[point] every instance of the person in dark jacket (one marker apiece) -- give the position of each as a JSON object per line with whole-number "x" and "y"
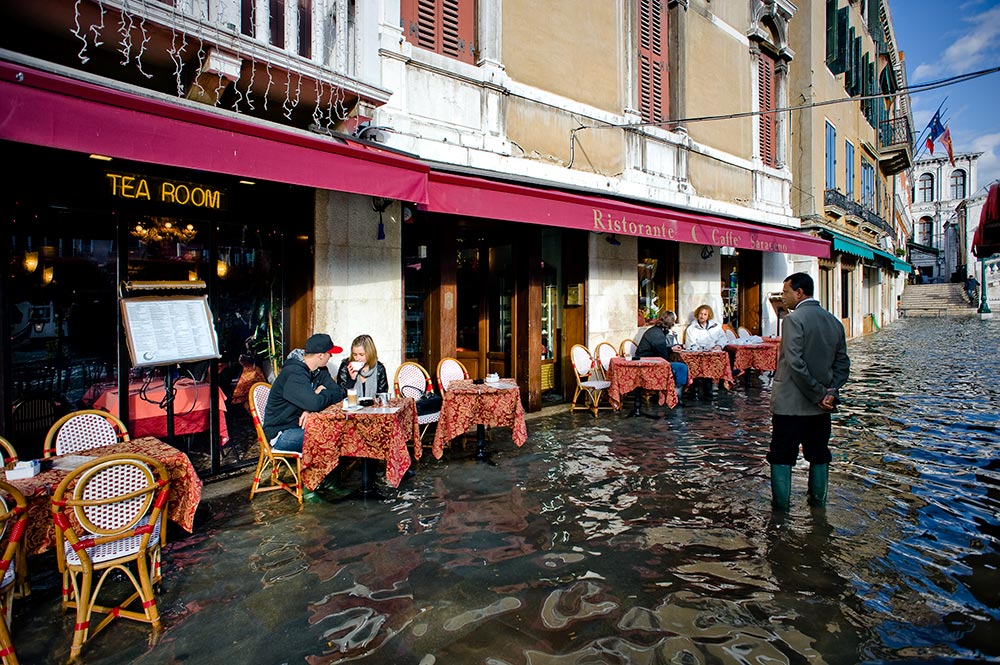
{"x": 363, "y": 371}
{"x": 660, "y": 342}
{"x": 303, "y": 386}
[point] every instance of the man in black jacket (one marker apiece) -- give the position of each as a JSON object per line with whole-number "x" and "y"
{"x": 303, "y": 386}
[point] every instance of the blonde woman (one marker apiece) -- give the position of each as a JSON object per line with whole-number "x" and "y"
{"x": 704, "y": 334}
{"x": 362, "y": 371}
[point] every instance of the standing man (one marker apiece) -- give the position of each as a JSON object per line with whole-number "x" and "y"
{"x": 812, "y": 367}
{"x": 303, "y": 386}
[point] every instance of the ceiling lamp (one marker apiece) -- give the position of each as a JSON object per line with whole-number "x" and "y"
{"x": 155, "y": 229}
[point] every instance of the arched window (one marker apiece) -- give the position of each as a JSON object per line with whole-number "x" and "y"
{"x": 925, "y": 231}
{"x": 925, "y": 188}
{"x": 958, "y": 184}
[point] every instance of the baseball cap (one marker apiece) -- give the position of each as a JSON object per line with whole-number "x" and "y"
{"x": 321, "y": 343}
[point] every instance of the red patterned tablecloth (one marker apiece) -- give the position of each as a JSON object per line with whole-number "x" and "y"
{"x": 191, "y": 408}
{"x": 467, "y": 404}
{"x": 649, "y": 374}
{"x": 708, "y": 365}
{"x": 754, "y": 356}
{"x": 185, "y": 489}
{"x": 373, "y": 432}
{"x": 771, "y": 340}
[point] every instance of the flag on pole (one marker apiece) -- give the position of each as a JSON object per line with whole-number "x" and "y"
{"x": 936, "y": 130}
{"x": 945, "y": 140}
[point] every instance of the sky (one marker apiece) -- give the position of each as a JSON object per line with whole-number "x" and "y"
{"x": 943, "y": 39}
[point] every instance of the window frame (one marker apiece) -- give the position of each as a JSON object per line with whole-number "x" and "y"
{"x": 849, "y": 169}
{"x": 445, "y": 27}
{"x": 831, "y": 156}
{"x": 652, "y": 74}
{"x": 925, "y": 188}
{"x": 954, "y": 184}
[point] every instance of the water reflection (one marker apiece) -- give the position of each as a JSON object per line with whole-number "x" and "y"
{"x": 617, "y": 541}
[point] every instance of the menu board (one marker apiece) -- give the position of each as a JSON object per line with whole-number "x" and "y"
{"x": 169, "y": 330}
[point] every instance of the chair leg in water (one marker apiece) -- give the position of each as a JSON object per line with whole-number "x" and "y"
{"x": 781, "y": 486}
{"x": 819, "y": 475}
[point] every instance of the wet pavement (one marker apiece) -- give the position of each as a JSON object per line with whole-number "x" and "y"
{"x": 618, "y": 540}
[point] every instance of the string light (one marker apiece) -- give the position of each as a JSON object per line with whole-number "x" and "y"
{"x": 78, "y": 34}
{"x": 161, "y": 228}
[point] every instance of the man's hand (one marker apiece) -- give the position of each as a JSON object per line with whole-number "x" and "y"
{"x": 828, "y": 402}
{"x": 320, "y": 389}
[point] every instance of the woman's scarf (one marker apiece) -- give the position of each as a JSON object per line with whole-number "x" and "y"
{"x": 368, "y": 387}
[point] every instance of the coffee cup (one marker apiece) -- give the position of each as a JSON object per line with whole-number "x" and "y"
{"x": 383, "y": 399}
{"x": 356, "y": 365}
{"x": 352, "y": 398}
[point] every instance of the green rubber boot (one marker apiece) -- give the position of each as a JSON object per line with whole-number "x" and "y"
{"x": 781, "y": 486}
{"x": 819, "y": 475}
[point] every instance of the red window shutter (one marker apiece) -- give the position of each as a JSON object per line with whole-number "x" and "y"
{"x": 765, "y": 102}
{"x": 443, "y": 26}
{"x": 654, "y": 91}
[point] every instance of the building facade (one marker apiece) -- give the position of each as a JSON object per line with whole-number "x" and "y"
{"x": 482, "y": 179}
{"x": 947, "y": 203}
{"x": 850, "y": 157}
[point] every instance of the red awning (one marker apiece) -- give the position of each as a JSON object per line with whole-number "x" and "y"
{"x": 45, "y": 109}
{"x": 477, "y": 197}
{"x": 986, "y": 241}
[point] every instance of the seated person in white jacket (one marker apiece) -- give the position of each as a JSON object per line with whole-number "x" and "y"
{"x": 704, "y": 334}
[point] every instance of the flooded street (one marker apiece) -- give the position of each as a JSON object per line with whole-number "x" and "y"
{"x": 618, "y": 540}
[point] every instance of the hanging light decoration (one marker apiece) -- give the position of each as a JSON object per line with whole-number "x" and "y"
{"x": 47, "y": 275}
{"x": 155, "y": 229}
{"x": 30, "y": 262}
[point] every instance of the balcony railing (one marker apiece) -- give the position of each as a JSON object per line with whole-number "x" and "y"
{"x": 852, "y": 208}
{"x": 895, "y": 132}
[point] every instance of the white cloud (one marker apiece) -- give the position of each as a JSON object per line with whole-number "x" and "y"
{"x": 968, "y": 50}
{"x": 989, "y": 163}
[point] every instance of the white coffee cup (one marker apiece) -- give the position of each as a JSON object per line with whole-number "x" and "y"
{"x": 356, "y": 365}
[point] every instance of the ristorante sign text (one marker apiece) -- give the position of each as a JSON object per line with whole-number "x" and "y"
{"x": 708, "y": 234}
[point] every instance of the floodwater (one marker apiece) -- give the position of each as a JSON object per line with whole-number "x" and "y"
{"x": 617, "y": 540}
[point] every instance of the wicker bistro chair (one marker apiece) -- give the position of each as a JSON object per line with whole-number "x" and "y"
{"x": 84, "y": 430}
{"x": 9, "y": 454}
{"x": 448, "y": 370}
{"x": 412, "y": 380}
{"x": 585, "y": 368}
{"x": 13, "y": 524}
{"x": 603, "y": 353}
{"x": 627, "y": 348}
{"x": 274, "y": 463}
{"x": 118, "y": 504}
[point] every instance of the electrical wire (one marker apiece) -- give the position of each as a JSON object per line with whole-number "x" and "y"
{"x": 913, "y": 89}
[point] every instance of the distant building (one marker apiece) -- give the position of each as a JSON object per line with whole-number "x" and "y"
{"x": 946, "y": 207}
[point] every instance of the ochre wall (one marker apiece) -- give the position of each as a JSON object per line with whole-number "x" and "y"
{"x": 564, "y": 57}
{"x": 717, "y": 80}
{"x": 544, "y": 133}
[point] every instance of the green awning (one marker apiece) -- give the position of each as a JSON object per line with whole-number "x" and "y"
{"x": 842, "y": 243}
{"x": 901, "y": 266}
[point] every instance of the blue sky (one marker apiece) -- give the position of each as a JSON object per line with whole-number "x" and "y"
{"x": 943, "y": 39}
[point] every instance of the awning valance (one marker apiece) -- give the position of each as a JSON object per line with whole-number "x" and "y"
{"x": 841, "y": 243}
{"x": 46, "y": 109}
{"x": 901, "y": 266}
{"x": 491, "y": 199}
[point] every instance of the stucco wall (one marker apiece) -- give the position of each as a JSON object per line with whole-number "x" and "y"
{"x": 611, "y": 301}
{"x": 717, "y": 82}
{"x": 543, "y": 132}
{"x": 718, "y": 180}
{"x": 565, "y": 57}
{"x": 358, "y": 278}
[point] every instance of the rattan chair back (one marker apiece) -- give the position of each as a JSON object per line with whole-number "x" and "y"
{"x": 9, "y": 454}
{"x": 13, "y": 524}
{"x": 412, "y": 380}
{"x": 109, "y": 516}
{"x": 587, "y": 380}
{"x": 603, "y": 353}
{"x": 627, "y": 348}
{"x": 448, "y": 370}
{"x": 272, "y": 465}
{"x": 84, "y": 430}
